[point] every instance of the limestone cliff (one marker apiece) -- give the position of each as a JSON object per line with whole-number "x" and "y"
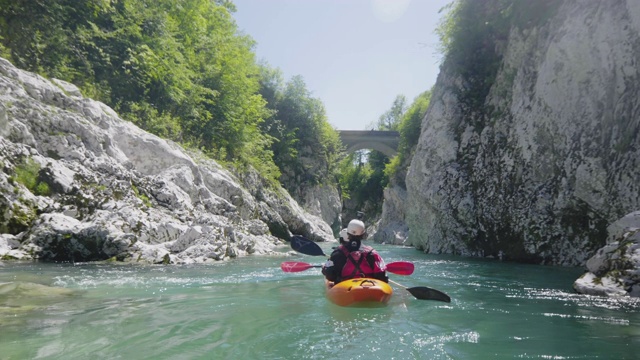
{"x": 77, "y": 183}
{"x": 553, "y": 156}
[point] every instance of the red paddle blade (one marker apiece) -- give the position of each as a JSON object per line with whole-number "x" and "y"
{"x": 400, "y": 267}
{"x": 294, "y": 266}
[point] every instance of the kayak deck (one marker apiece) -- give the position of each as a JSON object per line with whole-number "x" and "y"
{"x": 362, "y": 292}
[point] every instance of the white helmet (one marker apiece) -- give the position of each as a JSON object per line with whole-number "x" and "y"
{"x": 355, "y": 227}
{"x": 343, "y": 235}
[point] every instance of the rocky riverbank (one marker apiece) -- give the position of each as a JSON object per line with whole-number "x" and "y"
{"x": 78, "y": 183}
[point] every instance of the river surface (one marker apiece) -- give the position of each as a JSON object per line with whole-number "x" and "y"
{"x": 249, "y": 309}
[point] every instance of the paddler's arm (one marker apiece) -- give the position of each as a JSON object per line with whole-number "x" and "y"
{"x": 333, "y": 267}
{"x": 377, "y": 263}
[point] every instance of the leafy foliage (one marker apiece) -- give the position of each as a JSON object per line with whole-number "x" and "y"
{"x": 26, "y": 173}
{"x": 177, "y": 68}
{"x": 468, "y": 37}
{"x": 362, "y": 175}
{"x": 362, "y": 182}
{"x": 410, "y": 126}
{"x": 391, "y": 118}
{"x": 472, "y": 35}
{"x": 305, "y": 147}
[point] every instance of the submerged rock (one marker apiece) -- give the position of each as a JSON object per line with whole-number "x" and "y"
{"x": 19, "y": 296}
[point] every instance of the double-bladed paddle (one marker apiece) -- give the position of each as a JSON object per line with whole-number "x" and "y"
{"x": 396, "y": 267}
{"x": 305, "y": 246}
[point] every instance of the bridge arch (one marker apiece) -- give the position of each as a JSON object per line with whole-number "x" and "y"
{"x": 384, "y": 141}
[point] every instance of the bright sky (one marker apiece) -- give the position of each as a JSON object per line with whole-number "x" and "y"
{"x": 355, "y": 56}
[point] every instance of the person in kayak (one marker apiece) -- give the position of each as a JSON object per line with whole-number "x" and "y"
{"x": 352, "y": 259}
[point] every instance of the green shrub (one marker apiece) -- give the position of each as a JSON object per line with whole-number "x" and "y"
{"x": 141, "y": 196}
{"x": 472, "y": 32}
{"x": 409, "y": 128}
{"x": 42, "y": 189}
{"x": 26, "y": 173}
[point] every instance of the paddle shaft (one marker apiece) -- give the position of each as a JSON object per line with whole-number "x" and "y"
{"x": 398, "y": 284}
{"x": 305, "y": 246}
{"x": 399, "y": 267}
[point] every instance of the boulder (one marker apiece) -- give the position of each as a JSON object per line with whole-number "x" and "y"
{"x": 615, "y": 268}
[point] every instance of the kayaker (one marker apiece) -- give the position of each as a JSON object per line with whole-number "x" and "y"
{"x": 352, "y": 259}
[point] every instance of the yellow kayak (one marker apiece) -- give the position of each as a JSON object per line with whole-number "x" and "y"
{"x": 363, "y": 292}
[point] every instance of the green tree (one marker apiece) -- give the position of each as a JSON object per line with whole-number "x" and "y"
{"x": 177, "y": 68}
{"x": 365, "y": 174}
{"x": 471, "y": 34}
{"x": 410, "y": 127}
{"x": 391, "y": 118}
{"x": 306, "y": 147}
{"x": 363, "y": 177}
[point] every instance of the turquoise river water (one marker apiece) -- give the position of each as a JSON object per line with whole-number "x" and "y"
{"x": 249, "y": 309}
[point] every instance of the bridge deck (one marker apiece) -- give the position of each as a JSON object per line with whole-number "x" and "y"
{"x": 383, "y": 141}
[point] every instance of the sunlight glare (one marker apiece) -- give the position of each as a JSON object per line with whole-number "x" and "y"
{"x": 389, "y": 10}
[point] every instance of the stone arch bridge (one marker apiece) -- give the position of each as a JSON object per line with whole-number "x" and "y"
{"x": 384, "y": 141}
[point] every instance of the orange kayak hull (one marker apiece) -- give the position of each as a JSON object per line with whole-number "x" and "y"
{"x": 364, "y": 292}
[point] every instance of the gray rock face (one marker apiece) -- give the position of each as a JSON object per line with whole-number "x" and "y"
{"x": 323, "y": 201}
{"x": 541, "y": 176}
{"x": 392, "y": 228}
{"x": 102, "y": 188}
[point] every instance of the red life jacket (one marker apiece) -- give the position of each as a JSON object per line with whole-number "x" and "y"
{"x": 361, "y": 263}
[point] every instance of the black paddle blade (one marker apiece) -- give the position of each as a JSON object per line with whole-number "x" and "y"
{"x": 305, "y": 246}
{"x": 425, "y": 293}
